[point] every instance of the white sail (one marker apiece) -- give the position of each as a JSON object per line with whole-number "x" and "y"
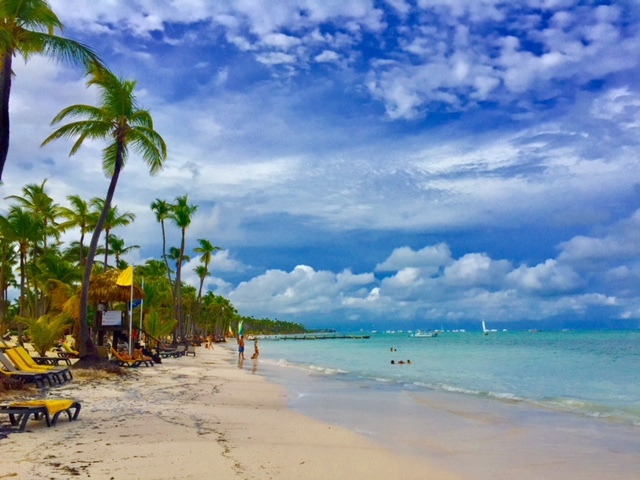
{"x": 484, "y": 329}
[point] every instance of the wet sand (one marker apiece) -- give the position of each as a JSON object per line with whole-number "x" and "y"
{"x": 193, "y": 418}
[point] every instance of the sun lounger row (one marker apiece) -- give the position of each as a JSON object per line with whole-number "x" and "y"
{"x": 17, "y": 363}
{"x": 49, "y": 410}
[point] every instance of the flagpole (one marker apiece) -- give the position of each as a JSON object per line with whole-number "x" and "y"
{"x": 131, "y": 319}
{"x": 141, "y": 306}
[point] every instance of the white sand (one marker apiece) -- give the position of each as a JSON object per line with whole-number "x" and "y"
{"x": 195, "y": 418}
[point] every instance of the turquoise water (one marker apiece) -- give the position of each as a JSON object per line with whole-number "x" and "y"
{"x": 594, "y": 374}
{"x": 552, "y": 405}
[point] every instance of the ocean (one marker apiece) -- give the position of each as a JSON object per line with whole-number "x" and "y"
{"x": 504, "y": 405}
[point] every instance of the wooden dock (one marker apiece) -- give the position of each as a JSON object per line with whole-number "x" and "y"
{"x": 314, "y": 336}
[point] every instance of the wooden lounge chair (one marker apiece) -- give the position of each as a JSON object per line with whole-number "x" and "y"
{"x": 191, "y": 350}
{"x": 31, "y": 363}
{"x": 181, "y": 350}
{"x": 11, "y": 371}
{"x": 124, "y": 362}
{"x": 60, "y": 376}
{"x": 49, "y": 410}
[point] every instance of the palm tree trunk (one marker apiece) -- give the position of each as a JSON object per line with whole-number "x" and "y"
{"x": 106, "y": 245}
{"x": 179, "y": 288}
{"x": 87, "y": 348}
{"x": 5, "y": 92}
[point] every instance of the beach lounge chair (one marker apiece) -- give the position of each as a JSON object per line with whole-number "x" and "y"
{"x": 124, "y": 362}
{"x": 68, "y": 352}
{"x": 31, "y": 363}
{"x": 164, "y": 352}
{"x": 11, "y": 371}
{"x": 49, "y": 410}
{"x": 60, "y": 376}
{"x": 191, "y": 350}
{"x": 181, "y": 350}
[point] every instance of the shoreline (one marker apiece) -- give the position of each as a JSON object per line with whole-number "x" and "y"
{"x": 474, "y": 437}
{"x": 197, "y": 417}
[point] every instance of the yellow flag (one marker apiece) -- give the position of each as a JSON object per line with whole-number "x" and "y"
{"x": 125, "y": 279}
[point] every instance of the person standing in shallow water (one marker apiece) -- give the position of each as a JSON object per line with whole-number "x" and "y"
{"x": 256, "y": 351}
{"x": 241, "y": 347}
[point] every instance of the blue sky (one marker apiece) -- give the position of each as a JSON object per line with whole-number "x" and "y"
{"x": 374, "y": 164}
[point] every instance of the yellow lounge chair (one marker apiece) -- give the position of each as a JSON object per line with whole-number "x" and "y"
{"x": 21, "y": 366}
{"x": 31, "y": 363}
{"x": 68, "y": 351}
{"x": 36, "y": 378}
{"x": 50, "y": 410}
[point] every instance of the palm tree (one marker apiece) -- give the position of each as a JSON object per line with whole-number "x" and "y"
{"x": 8, "y": 259}
{"x": 119, "y": 120}
{"x": 27, "y": 28}
{"x": 114, "y": 220}
{"x": 118, "y": 248}
{"x": 37, "y": 201}
{"x": 162, "y": 210}
{"x": 207, "y": 249}
{"x": 78, "y": 216}
{"x": 25, "y": 230}
{"x": 181, "y": 215}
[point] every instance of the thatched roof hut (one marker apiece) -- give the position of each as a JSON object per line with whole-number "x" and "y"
{"x": 103, "y": 288}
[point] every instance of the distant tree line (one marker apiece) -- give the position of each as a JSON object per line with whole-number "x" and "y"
{"x": 266, "y": 326}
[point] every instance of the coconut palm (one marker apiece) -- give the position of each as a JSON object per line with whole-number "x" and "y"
{"x": 114, "y": 219}
{"x": 206, "y": 249}
{"x": 8, "y": 262}
{"x": 25, "y": 230}
{"x": 162, "y": 209}
{"x": 118, "y": 248}
{"x": 27, "y": 28}
{"x": 78, "y": 216}
{"x": 36, "y": 201}
{"x": 125, "y": 126}
{"x": 181, "y": 215}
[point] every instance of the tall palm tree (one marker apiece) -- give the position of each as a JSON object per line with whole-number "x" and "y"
{"x": 206, "y": 249}
{"x": 181, "y": 215}
{"x": 118, "y": 248}
{"x": 203, "y": 272}
{"x": 27, "y": 28}
{"x": 124, "y": 125}
{"x": 114, "y": 219}
{"x": 8, "y": 260}
{"x": 162, "y": 209}
{"x": 36, "y": 201}
{"x": 25, "y": 230}
{"x": 78, "y": 216}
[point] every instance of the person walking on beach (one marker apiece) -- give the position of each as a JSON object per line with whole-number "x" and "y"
{"x": 241, "y": 347}
{"x": 256, "y": 351}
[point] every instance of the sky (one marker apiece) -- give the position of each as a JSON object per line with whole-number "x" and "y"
{"x": 370, "y": 164}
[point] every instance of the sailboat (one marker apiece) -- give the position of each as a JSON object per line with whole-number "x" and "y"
{"x": 484, "y": 329}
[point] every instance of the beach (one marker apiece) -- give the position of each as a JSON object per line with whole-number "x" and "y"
{"x": 196, "y": 417}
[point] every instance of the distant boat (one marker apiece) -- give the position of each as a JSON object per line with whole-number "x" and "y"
{"x": 484, "y": 329}
{"x": 419, "y": 334}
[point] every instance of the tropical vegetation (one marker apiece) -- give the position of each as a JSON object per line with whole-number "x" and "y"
{"x": 52, "y": 277}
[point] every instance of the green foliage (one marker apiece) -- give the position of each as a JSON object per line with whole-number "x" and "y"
{"x": 266, "y": 326}
{"x": 45, "y": 332}
{"x": 158, "y": 327}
